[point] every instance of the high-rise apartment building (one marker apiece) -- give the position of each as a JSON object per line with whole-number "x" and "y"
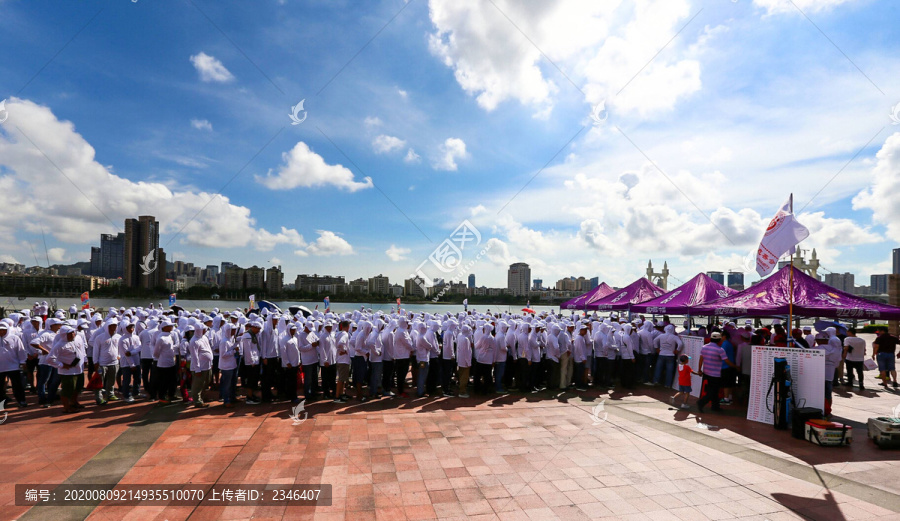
{"x": 145, "y": 261}
{"x": 108, "y": 261}
{"x": 842, "y": 281}
{"x": 518, "y": 278}
{"x": 274, "y": 281}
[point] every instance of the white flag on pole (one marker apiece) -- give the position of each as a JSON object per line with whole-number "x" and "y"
{"x": 782, "y": 235}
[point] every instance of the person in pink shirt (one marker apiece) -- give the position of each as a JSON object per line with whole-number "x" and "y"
{"x": 712, "y": 357}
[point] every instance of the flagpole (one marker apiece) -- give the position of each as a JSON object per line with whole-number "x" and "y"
{"x": 783, "y": 235}
{"x": 791, "y": 302}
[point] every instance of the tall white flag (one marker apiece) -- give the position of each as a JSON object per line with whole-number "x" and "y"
{"x": 782, "y": 235}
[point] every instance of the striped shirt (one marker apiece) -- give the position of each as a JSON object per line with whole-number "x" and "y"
{"x": 713, "y": 358}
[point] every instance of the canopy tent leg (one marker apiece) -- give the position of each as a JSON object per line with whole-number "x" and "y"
{"x": 791, "y": 307}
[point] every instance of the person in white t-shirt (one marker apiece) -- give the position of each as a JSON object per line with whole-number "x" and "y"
{"x": 854, "y": 356}
{"x": 129, "y": 363}
{"x": 342, "y": 342}
{"x": 328, "y": 359}
{"x": 464, "y": 359}
{"x": 291, "y": 360}
{"x": 229, "y": 352}
{"x": 67, "y": 356}
{"x": 249, "y": 347}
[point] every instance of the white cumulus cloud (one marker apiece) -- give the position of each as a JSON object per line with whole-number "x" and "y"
{"x": 498, "y": 252}
{"x": 489, "y": 57}
{"x": 383, "y": 144}
{"x": 451, "y": 150}
{"x": 600, "y": 46}
{"x": 304, "y": 168}
{"x": 203, "y": 218}
{"x": 56, "y": 255}
{"x": 210, "y": 68}
{"x": 788, "y": 6}
{"x": 881, "y": 196}
{"x": 329, "y": 243}
{"x": 265, "y": 240}
{"x": 411, "y": 157}
{"x": 591, "y": 233}
{"x": 396, "y": 253}
{"x": 201, "y": 124}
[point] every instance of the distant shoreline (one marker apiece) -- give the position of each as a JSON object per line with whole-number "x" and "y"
{"x": 65, "y": 302}
{"x": 392, "y": 302}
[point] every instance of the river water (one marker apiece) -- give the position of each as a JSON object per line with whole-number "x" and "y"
{"x": 338, "y": 307}
{"x": 208, "y": 305}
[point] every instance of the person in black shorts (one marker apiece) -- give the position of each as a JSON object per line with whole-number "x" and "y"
{"x": 884, "y": 352}
{"x": 728, "y": 380}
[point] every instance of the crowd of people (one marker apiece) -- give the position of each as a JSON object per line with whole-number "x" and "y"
{"x": 164, "y": 355}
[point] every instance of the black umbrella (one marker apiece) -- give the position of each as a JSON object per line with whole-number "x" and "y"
{"x": 822, "y": 325}
{"x": 300, "y": 309}
{"x": 265, "y": 304}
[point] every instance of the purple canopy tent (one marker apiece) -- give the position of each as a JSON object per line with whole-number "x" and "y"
{"x": 812, "y": 298}
{"x": 638, "y": 291}
{"x": 682, "y": 300}
{"x": 595, "y": 294}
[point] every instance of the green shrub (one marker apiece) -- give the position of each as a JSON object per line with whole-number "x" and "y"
{"x": 870, "y": 328}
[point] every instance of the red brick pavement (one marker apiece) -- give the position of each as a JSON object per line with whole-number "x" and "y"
{"x": 514, "y": 457}
{"x": 510, "y": 458}
{"x": 43, "y": 446}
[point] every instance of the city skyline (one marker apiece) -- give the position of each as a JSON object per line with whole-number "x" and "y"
{"x": 185, "y": 275}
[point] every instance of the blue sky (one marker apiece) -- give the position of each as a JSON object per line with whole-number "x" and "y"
{"x": 715, "y": 112}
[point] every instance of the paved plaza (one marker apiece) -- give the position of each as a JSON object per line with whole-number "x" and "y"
{"x": 512, "y": 457}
